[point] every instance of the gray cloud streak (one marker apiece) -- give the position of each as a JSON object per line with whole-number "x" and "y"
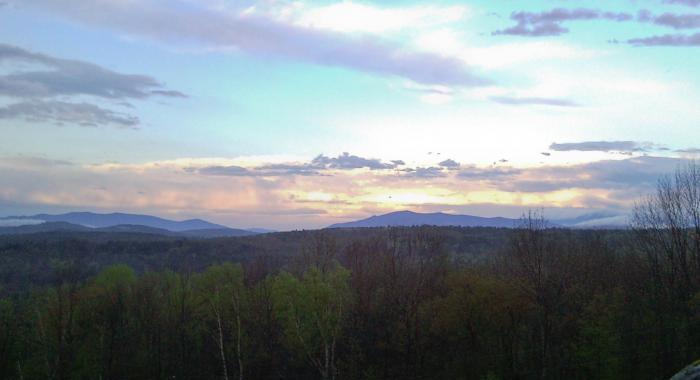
{"x": 58, "y": 112}
{"x": 348, "y": 161}
{"x": 531, "y": 24}
{"x": 549, "y": 23}
{"x": 73, "y": 77}
{"x": 670, "y": 20}
{"x": 42, "y": 83}
{"x": 678, "y": 40}
{"x": 315, "y": 167}
{"x": 640, "y": 173}
{"x": 688, "y": 151}
{"x": 424, "y": 172}
{"x": 516, "y": 101}
{"x": 606, "y": 146}
{"x": 449, "y": 163}
{"x": 264, "y": 36}
{"x": 678, "y": 21}
{"x": 689, "y": 3}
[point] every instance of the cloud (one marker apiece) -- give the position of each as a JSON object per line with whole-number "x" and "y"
{"x": 170, "y": 93}
{"x": 263, "y": 35}
{"x": 57, "y": 112}
{"x": 315, "y": 167}
{"x": 347, "y": 161}
{"x": 668, "y": 40}
{"x": 606, "y": 146}
{"x": 675, "y": 21}
{"x": 549, "y": 23}
{"x": 689, "y": 3}
{"x": 349, "y": 16}
{"x": 449, "y": 163}
{"x": 488, "y": 173}
{"x": 263, "y": 171}
{"x": 424, "y": 172}
{"x": 42, "y": 83}
{"x": 669, "y": 20}
{"x": 688, "y": 151}
{"x": 72, "y": 77}
{"x": 531, "y": 24}
{"x": 32, "y": 162}
{"x": 519, "y": 101}
{"x": 223, "y": 170}
{"x": 638, "y": 173}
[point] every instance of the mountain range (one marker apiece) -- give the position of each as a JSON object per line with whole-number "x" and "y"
{"x": 198, "y": 228}
{"x": 410, "y": 218}
{"x": 118, "y": 222}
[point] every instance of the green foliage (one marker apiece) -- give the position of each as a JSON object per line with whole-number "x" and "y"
{"x": 115, "y": 277}
{"x": 311, "y": 310}
{"x": 395, "y": 304}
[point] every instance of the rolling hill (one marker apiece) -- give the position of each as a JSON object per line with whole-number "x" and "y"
{"x": 119, "y": 222}
{"x": 124, "y": 229}
{"x": 410, "y": 218}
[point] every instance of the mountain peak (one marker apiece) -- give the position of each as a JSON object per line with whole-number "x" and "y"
{"x": 412, "y": 218}
{"x": 97, "y": 220}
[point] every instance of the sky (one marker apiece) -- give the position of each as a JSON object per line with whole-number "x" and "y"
{"x": 301, "y": 114}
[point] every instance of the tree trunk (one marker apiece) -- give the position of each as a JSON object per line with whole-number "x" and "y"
{"x": 221, "y": 345}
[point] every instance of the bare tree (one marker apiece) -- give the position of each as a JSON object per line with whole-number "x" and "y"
{"x": 667, "y": 227}
{"x": 541, "y": 266}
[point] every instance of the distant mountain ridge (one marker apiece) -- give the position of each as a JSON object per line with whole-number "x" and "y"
{"x": 94, "y": 220}
{"x": 410, "y": 218}
{"x": 122, "y": 228}
{"x": 131, "y": 222}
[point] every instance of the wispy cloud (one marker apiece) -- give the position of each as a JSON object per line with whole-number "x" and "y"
{"x": 33, "y": 162}
{"x": 318, "y": 166}
{"x": 668, "y": 40}
{"x": 639, "y": 173}
{"x": 488, "y": 173}
{"x": 521, "y": 101}
{"x": 42, "y": 83}
{"x": 549, "y": 23}
{"x": 607, "y": 146}
{"x": 72, "y": 77}
{"x": 450, "y": 164}
{"x": 263, "y": 171}
{"x": 424, "y": 172}
{"x": 261, "y": 34}
{"x": 671, "y": 20}
{"x": 348, "y": 161}
{"x": 688, "y": 151}
{"x": 351, "y": 16}
{"x": 57, "y": 112}
{"x": 689, "y": 3}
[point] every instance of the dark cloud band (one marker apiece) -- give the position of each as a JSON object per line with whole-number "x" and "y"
{"x": 42, "y": 90}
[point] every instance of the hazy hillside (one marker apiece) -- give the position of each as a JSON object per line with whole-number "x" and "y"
{"x": 95, "y": 220}
{"x": 65, "y": 227}
{"x": 410, "y": 218}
